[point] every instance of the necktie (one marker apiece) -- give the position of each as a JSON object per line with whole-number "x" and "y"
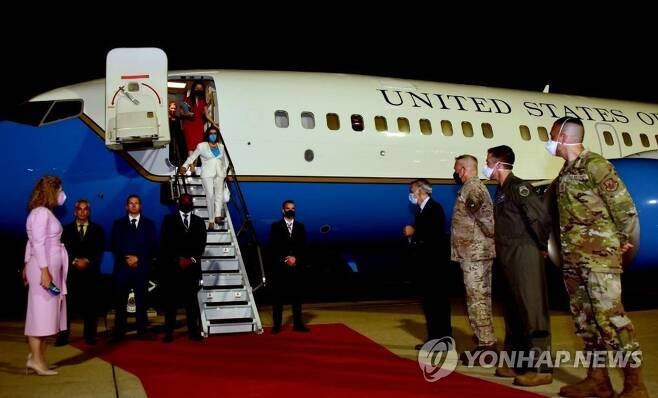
{"x": 134, "y": 223}
{"x": 81, "y": 231}
{"x": 289, "y": 228}
{"x": 187, "y": 224}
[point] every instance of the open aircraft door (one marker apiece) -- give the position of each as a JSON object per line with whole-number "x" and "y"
{"x": 136, "y": 98}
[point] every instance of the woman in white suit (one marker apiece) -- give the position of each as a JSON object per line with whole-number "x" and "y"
{"x": 213, "y": 172}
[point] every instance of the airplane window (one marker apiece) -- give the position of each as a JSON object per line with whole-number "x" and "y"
{"x": 543, "y": 133}
{"x": 645, "y": 140}
{"x": 281, "y": 119}
{"x": 309, "y": 155}
{"x": 403, "y": 125}
{"x": 467, "y": 129}
{"x": 425, "y": 127}
{"x": 333, "y": 122}
{"x": 446, "y": 128}
{"x": 525, "y": 133}
{"x": 308, "y": 120}
{"x": 357, "y": 122}
{"x": 656, "y": 139}
{"x": 487, "y": 130}
{"x": 607, "y": 137}
{"x": 627, "y": 139}
{"x": 380, "y": 123}
{"x": 39, "y": 113}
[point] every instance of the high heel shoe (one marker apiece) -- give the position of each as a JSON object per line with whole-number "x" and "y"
{"x": 41, "y": 372}
{"x": 51, "y": 367}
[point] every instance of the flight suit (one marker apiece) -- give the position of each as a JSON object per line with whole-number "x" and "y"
{"x": 522, "y": 230}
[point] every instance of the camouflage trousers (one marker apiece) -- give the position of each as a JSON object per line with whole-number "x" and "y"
{"x": 477, "y": 281}
{"x": 599, "y": 316}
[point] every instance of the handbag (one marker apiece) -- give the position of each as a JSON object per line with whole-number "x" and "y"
{"x": 227, "y": 193}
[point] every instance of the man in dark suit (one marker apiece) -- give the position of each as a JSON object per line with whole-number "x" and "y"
{"x": 134, "y": 244}
{"x": 182, "y": 242}
{"x": 288, "y": 246}
{"x": 84, "y": 241}
{"x": 427, "y": 241}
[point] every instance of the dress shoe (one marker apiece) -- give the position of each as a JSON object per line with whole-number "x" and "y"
{"x": 505, "y": 371}
{"x": 211, "y": 226}
{"x": 30, "y": 364}
{"x": 276, "y": 330}
{"x": 301, "y": 328}
{"x": 195, "y": 337}
{"x": 219, "y": 220}
{"x": 471, "y": 358}
{"x": 531, "y": 379}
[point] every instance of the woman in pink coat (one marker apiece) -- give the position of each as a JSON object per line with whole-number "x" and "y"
{"x": 46, "y": 264}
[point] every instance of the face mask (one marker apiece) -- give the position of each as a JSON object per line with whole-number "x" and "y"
{"x": 198, "y": 93}
{"x": 413, "y": 199}
{"x": 186, "y": 208}
{"x": 458, "y": 180}
{"x": 289, "y": 213}
{"x": 61, "y": 198}
{"x": 212, "y": 137}
{"x": 551, "y": 147}
{"x": 488, "y": 171}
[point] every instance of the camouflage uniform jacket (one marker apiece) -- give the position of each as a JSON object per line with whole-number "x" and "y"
{"x": 472, "y": 231}
{"x": 597, "y": 213}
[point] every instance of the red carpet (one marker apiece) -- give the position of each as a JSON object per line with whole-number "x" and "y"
{"x": 331, "y": 361}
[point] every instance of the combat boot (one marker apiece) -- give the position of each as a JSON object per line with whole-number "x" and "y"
{"x": 596, "y": 384}
{"x": 633, "y": 384}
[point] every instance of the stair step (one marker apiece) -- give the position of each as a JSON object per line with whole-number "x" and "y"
{"x": 219, "y": 279}
{"x": 219, "y": 237}
{"x": 222, "y": 251}
{"x": 220, "y": 264}
{"x": 242, "y": 327}
{"x": 216, "y": 313}
{"x": 236, "y": 296}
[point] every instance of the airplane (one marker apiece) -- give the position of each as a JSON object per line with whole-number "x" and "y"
{"x": 343, "y": 146}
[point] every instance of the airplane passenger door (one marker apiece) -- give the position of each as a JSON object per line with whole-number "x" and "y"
{"x": 136, "y": 99}
{"x": 609, "y": 141}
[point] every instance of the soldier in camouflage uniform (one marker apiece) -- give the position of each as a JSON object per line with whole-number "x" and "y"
{"x": 522, "y": 229}
{"x": 597, "y": 215}
{"x": 472, "y": 245}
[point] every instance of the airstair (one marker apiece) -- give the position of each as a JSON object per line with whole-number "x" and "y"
{"x": 226, "y": 299}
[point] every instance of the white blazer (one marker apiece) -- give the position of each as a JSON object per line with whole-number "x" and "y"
{"x": 211, "y": 166}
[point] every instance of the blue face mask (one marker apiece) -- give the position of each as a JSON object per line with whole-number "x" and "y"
{"x": 212, "y": 137}
{"x": 413, "y": 199}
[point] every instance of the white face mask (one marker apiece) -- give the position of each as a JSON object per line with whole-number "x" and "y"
{"x": 488, "y": 171}
{"x": 551, "y": 147}
{"x": 413, "y": 199}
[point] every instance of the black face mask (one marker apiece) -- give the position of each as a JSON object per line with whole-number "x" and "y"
{"x": 289, "y": 213}
{"x": 186, "y": 208}
{"x": 198, "y": 93}
{"x": 458, "y": 180}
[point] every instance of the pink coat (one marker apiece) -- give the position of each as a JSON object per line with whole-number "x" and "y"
{"x": 46, "y": 314}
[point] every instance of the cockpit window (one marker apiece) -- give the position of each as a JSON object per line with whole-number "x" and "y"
{"x": 41, "y": 113}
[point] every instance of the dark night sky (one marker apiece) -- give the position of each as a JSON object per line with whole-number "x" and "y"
{"x": 600, "y": 59}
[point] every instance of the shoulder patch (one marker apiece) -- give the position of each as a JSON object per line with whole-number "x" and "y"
{"x": 610, "y": 184}
{"x": 524, "y": 191}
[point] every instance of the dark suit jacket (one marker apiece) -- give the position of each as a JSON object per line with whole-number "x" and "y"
{"x": 90, "y": 247}
{"x": 177, "y": 241}
{"x": 141, "y": 242}
{"x": 283, "y": 244}
{"x": 429, "y": 238}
